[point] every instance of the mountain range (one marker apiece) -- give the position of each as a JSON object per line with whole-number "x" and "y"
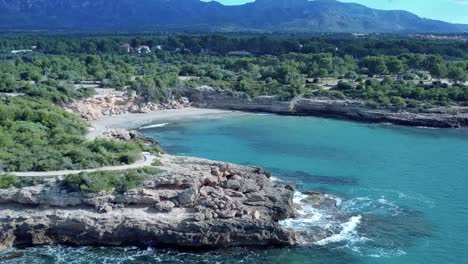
{"x": 195, "y": 15}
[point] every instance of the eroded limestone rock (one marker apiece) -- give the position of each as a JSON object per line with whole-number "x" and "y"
{"x": 180, "y": 206}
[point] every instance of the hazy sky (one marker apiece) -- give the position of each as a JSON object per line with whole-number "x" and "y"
{"x": 455, "y": 11}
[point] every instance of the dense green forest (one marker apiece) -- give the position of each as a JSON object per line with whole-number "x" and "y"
{"x": 386, "y": 71}
{"x": 283, "y": 66}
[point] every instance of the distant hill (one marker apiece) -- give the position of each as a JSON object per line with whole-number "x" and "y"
{"x": 195, "y": 15}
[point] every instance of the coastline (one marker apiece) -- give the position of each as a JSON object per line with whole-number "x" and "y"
{"x": 186, "y": 203}
{"x": 194, "y": 203}
{"x": 133, "y": 121}
{"x": 355, "y": 110}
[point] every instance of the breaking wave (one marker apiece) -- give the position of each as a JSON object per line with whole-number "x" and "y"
{"x": 155, "y": 126}
{"x": 347, "y": 233}
{"x": 340, "y": 225}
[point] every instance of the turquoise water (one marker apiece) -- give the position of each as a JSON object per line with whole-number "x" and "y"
{"x": 409, "y": 185}
{"x": 403, "y": 190}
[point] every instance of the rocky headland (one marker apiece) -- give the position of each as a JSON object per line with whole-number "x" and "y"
{"x": 190, "y": 202}
{"x": 207, "y": 97}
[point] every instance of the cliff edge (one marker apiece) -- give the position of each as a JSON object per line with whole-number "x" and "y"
{"x": 190, "y": 202}
{"x": 446, "y": 117}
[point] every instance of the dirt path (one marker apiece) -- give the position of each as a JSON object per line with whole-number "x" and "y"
{"x": 146, "y": 160}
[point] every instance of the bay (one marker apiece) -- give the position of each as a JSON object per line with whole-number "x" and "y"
{"x": 403, "y": 189}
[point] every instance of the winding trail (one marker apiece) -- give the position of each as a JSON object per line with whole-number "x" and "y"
{"x": 146, "y": 160}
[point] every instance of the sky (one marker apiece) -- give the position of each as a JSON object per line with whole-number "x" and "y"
{"x": 454, "y": 11}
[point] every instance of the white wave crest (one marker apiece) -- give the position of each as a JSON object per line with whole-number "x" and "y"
{"x": 339, "y": 228}
{"x": 308, "y": 216}
{"x": 298, "y": 197}
{"x": 154, "y": 126}
{"x": 347, "y": 233}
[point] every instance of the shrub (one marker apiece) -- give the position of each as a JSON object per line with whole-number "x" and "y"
{"x": 338, "y": 95}
{"x": 371, "y": 103}
{"x": 92, "y": 182}
{"x": 344, "y": 86}
{"x": 157, "y": 163}
{"x": 8, "y": 180}
{"x": 29, "y": 181}
{"x": 414, "y": 104}
{"x": 384, "y": 101}
{"x": 129, "y": 157}
{"x": 130, "y": 180}
{"x": 398, "y": 102}
{"x": 114, "y": 181}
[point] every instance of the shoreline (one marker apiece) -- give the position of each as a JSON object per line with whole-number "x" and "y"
{"x": 164, "y": 117}
{"x": 134, "y": 121}
{"x": 187, "y": 202}
{"x": 354, "y": 110}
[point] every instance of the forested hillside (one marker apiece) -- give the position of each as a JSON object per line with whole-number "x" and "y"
{"x": 394, "y": 69}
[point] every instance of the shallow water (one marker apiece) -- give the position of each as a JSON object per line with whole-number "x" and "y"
{"x": 401, "y": 192}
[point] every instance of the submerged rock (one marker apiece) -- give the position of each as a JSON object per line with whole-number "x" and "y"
{"x": 178, "y": 207}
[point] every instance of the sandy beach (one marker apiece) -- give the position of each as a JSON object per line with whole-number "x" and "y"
{"x": 131, "y": 121}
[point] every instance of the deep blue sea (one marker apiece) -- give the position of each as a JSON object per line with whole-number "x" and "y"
{"x": 404, "y": 190}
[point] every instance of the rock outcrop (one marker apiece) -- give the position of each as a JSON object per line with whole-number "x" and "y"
{"x": 189, "y": 203}
{"x": 450, "y": 117}
{"x": 122, "y": 134}
{"x": 117, "y": 103}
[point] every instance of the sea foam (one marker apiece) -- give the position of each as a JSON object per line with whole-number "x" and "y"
{"x": 347, "y": 233}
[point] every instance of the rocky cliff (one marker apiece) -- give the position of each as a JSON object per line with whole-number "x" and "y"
{"x": 117, "y": 103}
{"x": 346, "y": 109}
{"x": 189, "y": 203}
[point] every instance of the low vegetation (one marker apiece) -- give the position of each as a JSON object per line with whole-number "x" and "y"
{"x": 10, "y": 180}
{"x": 156, "y": 163}
{"x": 118, "y": 182}
{"x": 37, "y": 136}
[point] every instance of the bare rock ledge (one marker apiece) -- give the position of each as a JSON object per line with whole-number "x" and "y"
{"x": 192, "y": 202}
{"x": 357, "y": 110}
